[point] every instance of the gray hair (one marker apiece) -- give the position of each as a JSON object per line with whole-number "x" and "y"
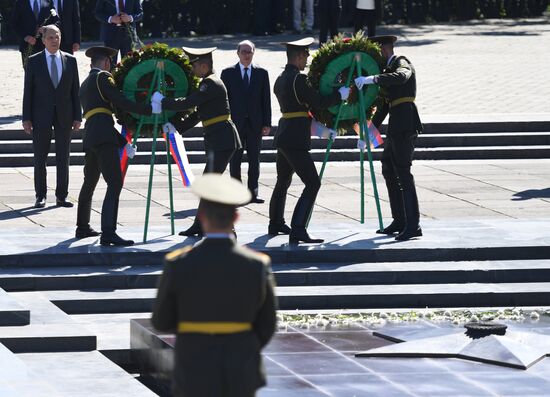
{"x": 51, "y": 27}
{"x": 248, "y": 43}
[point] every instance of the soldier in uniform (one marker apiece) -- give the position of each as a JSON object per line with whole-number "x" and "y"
{"x": 219, "y": 299}
{"x": 102, "y": 142}
{"x": 220, "y": 135}
{"x": 398, "y": 82}
{"x": 293, "y": 142}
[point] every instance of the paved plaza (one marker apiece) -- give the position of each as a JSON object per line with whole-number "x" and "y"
{"x": 486, "y": 237}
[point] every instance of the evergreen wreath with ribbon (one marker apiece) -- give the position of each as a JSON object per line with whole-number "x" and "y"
{"x": 330, "y": 69}
{"x": 134, "y": 75}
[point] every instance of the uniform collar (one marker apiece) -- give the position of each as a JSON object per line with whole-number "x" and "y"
{"x": 290, "y": 66}
{"x": 392, "y": 58}
{"x": 219, "y": 236}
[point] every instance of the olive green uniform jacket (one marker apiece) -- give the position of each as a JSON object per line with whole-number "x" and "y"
{"x": 99, "y": 91}
{"x": 398, "y": 81}
{"x": 296, "y": 95}
{"x": 211, "y": 101}
{"x": 217, "y": 281}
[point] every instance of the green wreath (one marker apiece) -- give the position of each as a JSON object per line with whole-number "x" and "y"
{"x": 134, "y": 74}
{"x": 330, "y": 68}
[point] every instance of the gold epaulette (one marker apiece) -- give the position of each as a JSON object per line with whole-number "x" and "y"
{"x": 172, "y": 256}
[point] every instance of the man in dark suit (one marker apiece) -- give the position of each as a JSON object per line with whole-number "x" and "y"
{"x": 220, "y": 135}
{"x": 102, "y": 143}
{"x": 28, "y": 16}
{"x": 250, "y": 101}
{"x": 293, "y": 142}
{"x": 219, "y": 299}
{"x": 68, "y": 12}
{"x": 399, "y": 83}
{"x": 50, "y": 99}
{"x": 118, "y": 23}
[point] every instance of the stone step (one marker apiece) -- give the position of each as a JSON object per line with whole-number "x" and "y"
{"x": 193, "y": 144}
{"x": 12, "y": 313}
{"x": 291, "y": 274}
{"x": 50, "y": 329}
{"x": 489, "y": 239}
{"x": 331, "y": 297}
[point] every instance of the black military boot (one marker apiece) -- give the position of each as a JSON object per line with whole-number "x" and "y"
{"x": 412, "y": 227}
{"x": 194, "y": 230}
{"x": 298, "y": 232}
{"x": 277, "y": 223}
{"x": 397, "y": 210}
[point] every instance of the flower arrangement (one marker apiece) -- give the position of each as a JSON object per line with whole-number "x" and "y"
{"x": 134, "y": 77}
{"x": 331, "y": 67}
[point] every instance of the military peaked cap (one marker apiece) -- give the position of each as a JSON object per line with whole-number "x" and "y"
{"x": 305, "y": 42}
{"x": 221, "y": 189}
{"x": 389, "y": 39}
{"x": 101, "y": 51}
{"x": 196, "y": 54}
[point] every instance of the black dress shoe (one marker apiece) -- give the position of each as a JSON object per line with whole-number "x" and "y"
{"x": 85, "y": 232}
{"x": 40, "y": 203}
{"x": 407, "y": 234}
{"x": 257, "y": 200}
{"x": 114, "y": 239}
{"x": 298, "y": 236}
{"x": 274, "y": 230}
{"x": 392, "y": 228}
{"x": 194, "y": 230}
{"x": 64, "y": 203}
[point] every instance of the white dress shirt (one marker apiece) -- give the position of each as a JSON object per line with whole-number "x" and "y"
{"x": 248, "y": 71}
{"x": 56, "y": 4}
{"x": 365, "y": 5}
{"x": 57, "y": 61}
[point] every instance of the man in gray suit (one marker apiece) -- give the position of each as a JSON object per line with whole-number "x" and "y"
{"x": 50, "y": 100}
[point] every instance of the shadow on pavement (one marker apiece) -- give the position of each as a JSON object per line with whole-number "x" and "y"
{"x": 532, "y": 194}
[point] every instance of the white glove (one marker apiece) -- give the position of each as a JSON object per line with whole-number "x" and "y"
{"x": 157, "y": 97}
{"x": 168, "y": 128}
{"x": 361, "y": 145}
{"x": 156, "y": 107}
{"x": 130, "y": 150}
{"x": 344, "y": 93}
{"x": 333, "y": 135}
{"x": 362, "y": 80}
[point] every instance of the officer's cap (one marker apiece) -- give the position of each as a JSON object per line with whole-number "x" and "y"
{"x": 101, "y": 51}
{"x": 304, "y": 43}
{"x": 221, "y": 189}
{"x": 196, "y": 54}
{"x": 388, "y": 39}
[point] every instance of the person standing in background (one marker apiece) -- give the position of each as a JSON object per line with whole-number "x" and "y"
{"x": 297, "y": 15}
{"x": 68, "y": 12}
{"x": 250, "y": 102}
{"x": 50, "y": 100}
{"x": 329, "y": 15}
{"x": 365, "y": 14}
{"x": 118, "y": 23}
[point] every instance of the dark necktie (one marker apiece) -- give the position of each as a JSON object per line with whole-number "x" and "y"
{"x": 59, "y": 7}
{"x": 120, "y": 6}
{"x": 246, "y": 80}
{"x": 54, "y": 73}
{"x": 36, "y": 9}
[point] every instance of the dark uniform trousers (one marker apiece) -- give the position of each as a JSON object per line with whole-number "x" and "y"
{"x": 290, "y": 161}
{"x": 41, "y": 141}
{"x": 101, "y": 160}
{"x": 252, "y": 141}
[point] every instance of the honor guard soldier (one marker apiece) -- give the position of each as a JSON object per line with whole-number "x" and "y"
{"x": 220, "y": 135}
{"x": 293, "y": 142}
{"x": 102, "y": 143}
{"x": 398, "y": 83}
{"x": 219, "y": 299}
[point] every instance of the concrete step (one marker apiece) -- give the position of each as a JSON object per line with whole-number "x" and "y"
{"x": 292, "y": 274}
{"x": 445, "y": 241}
{"x": 12, "y": 312}
{"x": 193, "y": 144}
{"x": 50, "y": 329}
{"x": 331, "y": 297}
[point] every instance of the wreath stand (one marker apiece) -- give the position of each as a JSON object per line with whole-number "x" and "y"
{"x": 357, "y": 59}
{"x": 158, "y": 83}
